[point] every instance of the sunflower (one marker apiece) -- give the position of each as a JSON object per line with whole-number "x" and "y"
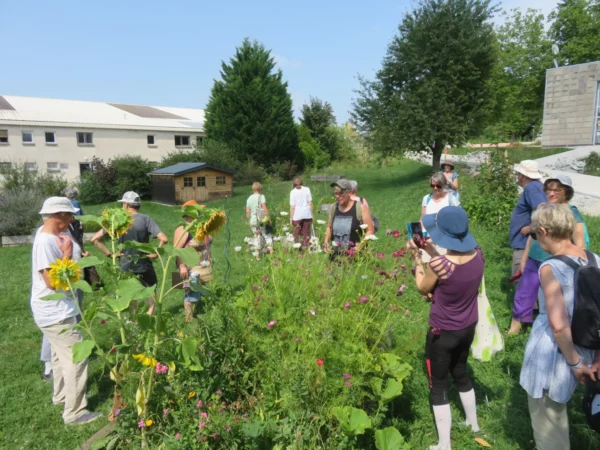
{"x": 116, "y": 222}
{"x": 145, "y": 360}
{"x": 63, "y": 272}
{"x": 214, "y": 220}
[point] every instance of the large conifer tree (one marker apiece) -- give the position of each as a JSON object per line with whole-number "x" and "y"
{"x": 250, "y": 109}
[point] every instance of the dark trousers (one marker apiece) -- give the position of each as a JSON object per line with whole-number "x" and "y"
{"x": 447, "y": 352}
{"x": 302, "y": 228}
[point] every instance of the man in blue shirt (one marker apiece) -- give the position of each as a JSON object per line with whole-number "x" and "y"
{"x": 520, "y": 220}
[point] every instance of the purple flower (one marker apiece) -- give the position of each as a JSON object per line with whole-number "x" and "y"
{"x": 346, "y": 376}
{"x": 117, "y": 411}
{"x": 166, "y": 411}
{"x": 379, "y": 283}
{"x": 266, "y": 278}
{"x": 271, "y": 324}
{"x": 348, "y": 384}
{"x": 363, "y": 299}
{"x": 347, "y": 305}
{"x": 216, "y": 436}
{"x": 255, "y": 288}
{"x": 141, "y": 423}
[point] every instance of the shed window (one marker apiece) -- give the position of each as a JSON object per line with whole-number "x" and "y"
{"x": 201, "y": 181}
{"x": 188, "y": 182}
{"x": 221, "y": 180}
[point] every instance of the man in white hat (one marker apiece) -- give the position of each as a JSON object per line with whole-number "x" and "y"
{"x": 54, "y": 316}
{"x": 143, "y": 228}
{"x": 520, "y": 220}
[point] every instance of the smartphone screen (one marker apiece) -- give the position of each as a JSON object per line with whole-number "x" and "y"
{"x": 414, "y": 228}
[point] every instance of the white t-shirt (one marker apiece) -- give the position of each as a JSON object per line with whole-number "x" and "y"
{"x": 433, "y": 207}
{"x": 49, "y": 312}
{"x": 300, "y": 199}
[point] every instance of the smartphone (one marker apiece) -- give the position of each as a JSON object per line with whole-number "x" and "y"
{"x": 416, "y": 229}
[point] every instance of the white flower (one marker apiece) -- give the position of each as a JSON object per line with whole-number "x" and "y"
{"x": 371, "y": 237}
{"x": 283, "y": 213}
{"x": 255, "y": 253}
{"x": 204, "y": 263}
{"x": 321, "y": 222}
{"x": 289, "y": 238}
{"x": 238, "y": 249}
{"x": 246, "y": 240}
{"x": 364, "y": 226}
{"x": 286, "y": 228}
{"x": 276, "y": 238}
{"x": 334, "y": 244}
{"x": 364, "y": 277}
{"x": 297, "y": 245}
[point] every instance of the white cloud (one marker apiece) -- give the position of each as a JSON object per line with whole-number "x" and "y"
{"x": 287, "y": 63}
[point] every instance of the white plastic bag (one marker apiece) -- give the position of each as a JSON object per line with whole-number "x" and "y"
{"x": 488, "y": 339}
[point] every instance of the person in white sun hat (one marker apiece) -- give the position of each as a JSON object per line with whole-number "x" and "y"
{"x": 51, "y": 243}
{"x": 520, "y": 221}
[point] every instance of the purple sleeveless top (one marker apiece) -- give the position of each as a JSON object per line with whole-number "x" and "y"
{"x": 454, "y": 304}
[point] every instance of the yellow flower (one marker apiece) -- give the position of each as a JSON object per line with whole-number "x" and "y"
{"x": 191, "y": 394}
{"x": 145, "y": 360}
{"x": 116, "y": 222}
{"x": 149, "y": 422}
{"x": 215, "y": 220}
{"x": 63, "y": 272}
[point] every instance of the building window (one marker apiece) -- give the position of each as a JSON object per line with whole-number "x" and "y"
{"x": 221, "y": 180}
{"x": 27, "y": 137}
{"x": 182, "y": 141}
{"x": 201, "y": 181}
{"x": 64, "y": 166}
{"x": 85, "y": 139}
{"x": 188, "y": 182}
{"x": 52, "y": 167}
{"x": 5, "y": 167}
{"x": 151, "y": 139}
{"x": 50, "y": 137}
{"x": 30, "y": 166}
{"x": 3, "y": 136}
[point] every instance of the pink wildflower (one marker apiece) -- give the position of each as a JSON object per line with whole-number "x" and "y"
{"x": 165, "y": 411}
{"x": 201, "y": 425}
{"x": 216, "y": 436}
{"x": 141, "y": 423}
{"x": 204, "y": 415}
{"x": 320, "y": 362}
{"x": 117, "y": 411}
{"x": 363, "y": 299}
{"x": 347, "y": 305}
{"x": 178, "y": 436}
{"x": 271, "y": 324}
{"x": 348, "y": 384}
{"x": 381, "y": 255}
{"x": 228, "y": 428}
{"x": 199, "y": 404}
{"x": 346, "y": 376}
{"x": 266, "y": 278}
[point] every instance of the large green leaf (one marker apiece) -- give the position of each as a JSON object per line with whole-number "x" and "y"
{"x": 188, "y": 255}
{"x": 132, "y": 289}
{"x": 189, "y": 347}
{"x": 377, "y": 386}
{"x": 89, "y": 261}
{"x": 392, "y": 390}
{"x": 83, "y": 285}
{"x": 82, "y": 350}
{"x": 118, "y": 304}
{"x": 140, "y": 247}
{"x": 390, "y": 439}
{"x": 354, "y": 421}
{"x": 88, "y": 218}
{"x": 394, "y": 367}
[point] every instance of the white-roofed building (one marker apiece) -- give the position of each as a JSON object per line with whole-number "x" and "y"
{"x": 63, "y": 136}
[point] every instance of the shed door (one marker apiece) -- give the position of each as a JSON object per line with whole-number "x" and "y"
{"x": 163, "y": 190}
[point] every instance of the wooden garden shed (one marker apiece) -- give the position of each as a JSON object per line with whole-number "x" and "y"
{"x": 181, "y": 182}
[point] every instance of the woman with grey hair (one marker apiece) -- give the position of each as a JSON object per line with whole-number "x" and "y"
{"x": 72, "y": 194}
{"x": 440, "y": 197}
{"x": 553, "y": 364}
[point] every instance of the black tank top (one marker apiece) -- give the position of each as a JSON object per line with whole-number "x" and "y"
{"x": 346, "y": 227}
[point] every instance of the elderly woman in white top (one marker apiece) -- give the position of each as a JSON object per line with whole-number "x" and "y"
{"x": 553, "y": 365}
{"x": 301, "y": 211}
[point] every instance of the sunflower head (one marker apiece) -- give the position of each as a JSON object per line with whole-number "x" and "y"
{"x": 145, "y": 360}
{"x": 63, "y": 272}
{"x": 116, "y": 222}
{"x": 210, "y": 222}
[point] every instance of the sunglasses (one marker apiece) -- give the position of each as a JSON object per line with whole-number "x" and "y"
{"x": 435, "y": 186}
{"x": 339, "y": 193}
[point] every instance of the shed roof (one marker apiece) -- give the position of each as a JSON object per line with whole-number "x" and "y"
{"x": 59, "y": 112}
{"x": 186, "y": 167}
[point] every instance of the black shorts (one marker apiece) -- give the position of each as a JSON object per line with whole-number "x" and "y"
{"x": 147, "y": 278}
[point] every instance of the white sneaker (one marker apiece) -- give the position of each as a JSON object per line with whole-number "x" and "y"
{"x": 440, "y": 447}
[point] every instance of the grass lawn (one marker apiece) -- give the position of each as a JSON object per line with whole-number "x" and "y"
{"x": 394, "y": 193}
{"x": 515, "y": 155}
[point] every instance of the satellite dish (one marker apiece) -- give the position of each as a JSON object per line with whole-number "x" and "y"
{"x": 555, "y": 49}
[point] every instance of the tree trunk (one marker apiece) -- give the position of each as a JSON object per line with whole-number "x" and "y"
{"x": 438, "y": 148}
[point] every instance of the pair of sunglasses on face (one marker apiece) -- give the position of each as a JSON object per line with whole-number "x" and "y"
{"x": 339, "y": 193}
{"x": 435, "y": 186}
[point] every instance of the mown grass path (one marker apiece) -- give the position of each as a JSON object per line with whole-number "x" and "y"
{"x": 29, "y": 420}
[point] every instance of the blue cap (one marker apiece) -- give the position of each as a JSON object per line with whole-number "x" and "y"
{"x": 449, "y": 228}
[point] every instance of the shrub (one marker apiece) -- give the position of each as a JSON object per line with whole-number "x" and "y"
{"x": 250, "y": 172}
{"x": 493, "y": 194}
{"x": 592, "y": 164}
{"x": 92, "y": 190}
{"x": 285, "y": 170}
{"x": 19, "y": 211}
{"x": 19, "y": 177}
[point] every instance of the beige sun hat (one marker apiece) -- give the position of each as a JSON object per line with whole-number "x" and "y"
{"x": 529, "y": 168}
{"x": 53, "y": 205}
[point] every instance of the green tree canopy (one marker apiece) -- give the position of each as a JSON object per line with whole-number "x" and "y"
{"x": 576, "y": 30}
{"x": 317, "y": 117}
{"x": 434, "y": 80}
{"x": 250, "y": 109}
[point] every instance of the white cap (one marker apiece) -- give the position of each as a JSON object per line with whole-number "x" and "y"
{"x": 130, "y": 198}
{"x": 55, "y": 205}
{"x": 529, "y": 168}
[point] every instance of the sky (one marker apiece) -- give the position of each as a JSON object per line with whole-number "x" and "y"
{"x": 168, "y": 53}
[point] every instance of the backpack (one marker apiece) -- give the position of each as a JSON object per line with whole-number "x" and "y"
{"x": 585, "y": 325}
{"x": 585, "y": 228}
{"x": 452, "y": 199}
{"x": 358, "y": 214}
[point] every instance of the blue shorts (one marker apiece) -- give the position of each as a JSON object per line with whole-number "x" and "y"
{"x": 191, "y": 296}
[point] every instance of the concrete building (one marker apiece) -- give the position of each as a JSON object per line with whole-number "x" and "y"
{"x": 63, "y": 136}
{"x": 572, "y": 106}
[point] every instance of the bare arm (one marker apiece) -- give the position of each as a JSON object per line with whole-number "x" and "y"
{"x": 98, "y": 241}
{"x": 559, "y": 321}
{"x": 292, "y": 209}
{"x": 425, "y": 280}
{"x": 265, "y": 209}
{"x": 579, "y": 236}
{"x": 454, "y": 184}
{"x": 366, "y": 216}
{"x": 162, "y": 237}
{"x": 180, "y": 239}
